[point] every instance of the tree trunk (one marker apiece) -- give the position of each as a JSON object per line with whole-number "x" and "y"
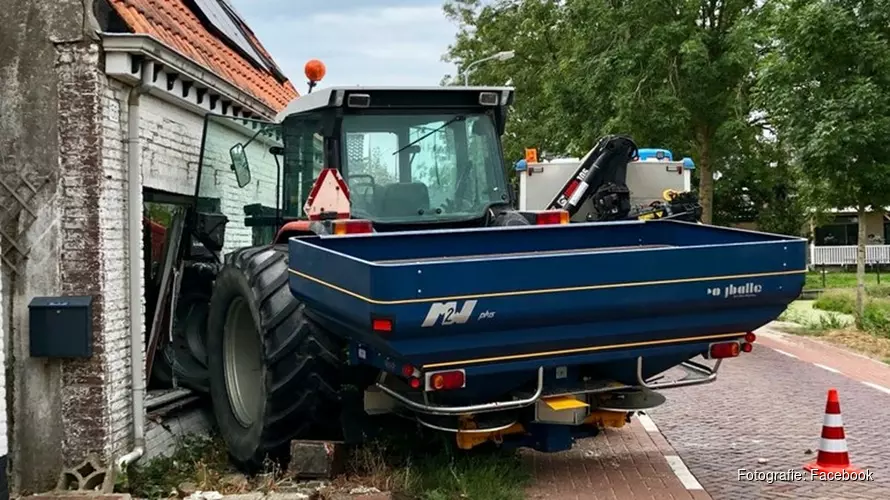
{"x": 860, "y": 267}
{"x": 705, "y": 179}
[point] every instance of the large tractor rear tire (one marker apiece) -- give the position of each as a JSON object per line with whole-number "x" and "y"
{"x": 274, "y": 375}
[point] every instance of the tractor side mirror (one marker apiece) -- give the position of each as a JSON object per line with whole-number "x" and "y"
{"x": 240, "y": 164}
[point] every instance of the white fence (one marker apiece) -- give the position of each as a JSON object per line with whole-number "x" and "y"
{"x": 845, "y": 255}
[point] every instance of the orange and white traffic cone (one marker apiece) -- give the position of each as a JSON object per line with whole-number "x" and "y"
{"x": 833, "y": 456}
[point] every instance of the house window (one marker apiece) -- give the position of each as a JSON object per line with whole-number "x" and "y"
{"x": 843, "y": 230}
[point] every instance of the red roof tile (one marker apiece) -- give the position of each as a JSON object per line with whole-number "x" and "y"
{"x": 173, "y": 23}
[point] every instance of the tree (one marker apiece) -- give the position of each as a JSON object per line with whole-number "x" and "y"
{"x": 823, "y": 83}
{"x": 673, "y": 73}
{"x": 528, "y": 27}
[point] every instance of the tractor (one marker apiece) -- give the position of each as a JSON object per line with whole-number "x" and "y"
{"x": 363, "y": 254}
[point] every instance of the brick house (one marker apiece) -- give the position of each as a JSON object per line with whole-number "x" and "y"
{"x": 94, "y": 96}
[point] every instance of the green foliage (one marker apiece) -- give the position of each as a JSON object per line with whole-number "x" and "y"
{"x": 876, "y": 314}
{"x": 160, "y": 213}
{"x": 522, "y": 26}
{"x": 823, "y": 82}
{"x": 876, "y": 318}
{"x": 879, "y": 291}
{"x": 197, "y": 458}
{"x": 837, "y": 301}
{"x": 669, "y": 74}
{"x": 427, "y": 465}
{"x": 813, "y": 324}
{"x": 837, "y": 279}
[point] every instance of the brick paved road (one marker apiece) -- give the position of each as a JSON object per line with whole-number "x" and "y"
{"x": 619, "y": 464}
{"x": 767, "y": 405}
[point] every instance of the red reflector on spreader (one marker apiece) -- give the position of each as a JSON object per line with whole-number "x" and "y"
{"x": 750, "y": 337}
{"x": 352, "y": 226}
{"x": 724, "y": 350}
{"x": 446, "y": 381}
{"x": 552, "y": 217}
{"x": 381, "y": 325}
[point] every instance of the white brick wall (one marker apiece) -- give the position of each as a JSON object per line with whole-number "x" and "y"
{"x": 170, "y": 142}
{"x": 113, "y": 214}
{"x": 218, "y": 180}
{"x": 171, "y": 148}
{"x": 161, "y": 438}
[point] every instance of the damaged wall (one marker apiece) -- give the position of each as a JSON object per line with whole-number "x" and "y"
{"x": 50, "y": 152}
{"x": 63, "y": 223}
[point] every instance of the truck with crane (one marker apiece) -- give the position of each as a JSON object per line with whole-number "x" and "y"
{"x": 364, "y": 254}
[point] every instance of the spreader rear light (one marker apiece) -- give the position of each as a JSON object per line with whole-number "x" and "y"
{"x": 724, "y": 350}
{"x": 746, "y": 347}
{"x": 381, "y": 325}
{"x": 352, "y": 226}
{"x": 446, "y": 381}
{"x": 552, "y": 217}
{"x": 750, "y": 337}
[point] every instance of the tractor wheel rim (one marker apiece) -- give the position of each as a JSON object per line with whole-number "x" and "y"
{"x": 243, "y": 364}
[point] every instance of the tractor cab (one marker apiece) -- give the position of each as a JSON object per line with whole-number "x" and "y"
{"x": 406, "y": 157}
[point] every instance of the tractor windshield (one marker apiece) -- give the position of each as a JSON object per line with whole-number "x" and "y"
{"x": 421, "y": 167}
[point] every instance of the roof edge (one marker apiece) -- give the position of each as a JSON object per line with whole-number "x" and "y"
{"x": 323, "y": 95}
{"x": 151, "y": 47}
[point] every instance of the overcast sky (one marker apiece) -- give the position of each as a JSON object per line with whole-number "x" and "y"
{"x": 362, "y": 42}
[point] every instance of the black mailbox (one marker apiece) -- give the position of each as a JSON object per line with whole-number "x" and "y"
{"x": 61, "y": 327}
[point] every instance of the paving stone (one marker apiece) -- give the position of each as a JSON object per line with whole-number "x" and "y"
{"x": 619, "y": 464}
{"x": 765, "y": 405}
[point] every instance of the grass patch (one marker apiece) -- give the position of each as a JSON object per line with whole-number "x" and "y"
{"x": 881, "y": 291}
{"x": 830, "y": 320}
{"x": 830, "y": 329}
{"x": 876, "y": 317}
{"x": 428, "y": 466}
{"x": 421, "y": 465}
{"x": 814, "y": 326}
{"x": 198, "y": 459}
{"x": 842, "y": 301}
{"x": 839, "y": 279}
{"x": 812, "y": 321}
